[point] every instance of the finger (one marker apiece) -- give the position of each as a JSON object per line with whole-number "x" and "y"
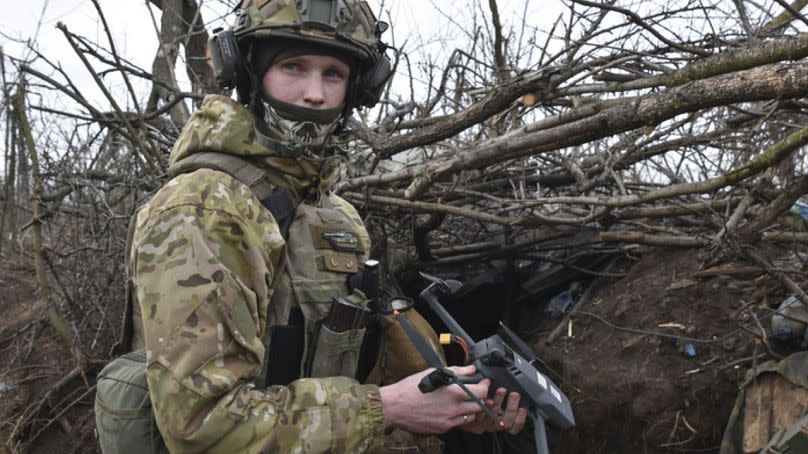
{"x": 477, "y": 389}
{"x": 465, "y": 419}
{"x": 511, "y": 410}
{"x": 519, "y": 422}
{"x": 485, "y": 384}
{"x": 499, "y": 398}
{"x": 470, "y": 407}
{"x": 463, "y": 370}
{"x": 495, "y": 425}
{"x": 478, "y": 426}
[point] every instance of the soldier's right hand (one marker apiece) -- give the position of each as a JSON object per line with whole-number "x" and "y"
{"x": 406, "y": 407}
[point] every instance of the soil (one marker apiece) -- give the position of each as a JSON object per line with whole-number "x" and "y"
{"x": 640, "y": 393}
{"x": 630, "y": 392}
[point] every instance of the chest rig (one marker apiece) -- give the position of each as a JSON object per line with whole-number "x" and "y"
{"x": 326, "y": 243}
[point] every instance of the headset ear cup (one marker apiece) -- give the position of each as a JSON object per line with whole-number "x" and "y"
{"x": 374, "y": 80}
{"x": 225, "y": 58}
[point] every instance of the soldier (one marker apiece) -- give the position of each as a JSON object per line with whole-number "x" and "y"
{"x": 229, "y": 287}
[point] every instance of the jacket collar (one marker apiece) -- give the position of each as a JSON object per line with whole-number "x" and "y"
{"x": 225, "y": 126}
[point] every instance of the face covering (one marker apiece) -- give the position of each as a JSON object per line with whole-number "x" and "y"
{"x": 304, "y": 130}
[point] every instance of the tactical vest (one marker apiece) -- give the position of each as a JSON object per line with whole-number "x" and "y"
{"x": 325, "y": 244}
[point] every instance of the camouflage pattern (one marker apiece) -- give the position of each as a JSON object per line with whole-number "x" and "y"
{"x": 355, "y": 31}
{"x": 205, "y": 256}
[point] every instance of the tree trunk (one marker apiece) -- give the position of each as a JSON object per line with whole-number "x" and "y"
{"x": 180, "y": 24}
{"x": 170, "y": 35}
{"x": 56, "y": 320}
{"x": 9, "y": 218}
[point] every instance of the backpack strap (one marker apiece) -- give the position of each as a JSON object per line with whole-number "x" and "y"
{"x": 279, "y": 202}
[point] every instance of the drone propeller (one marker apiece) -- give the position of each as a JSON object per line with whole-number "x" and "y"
{"x": 430, "y": 294}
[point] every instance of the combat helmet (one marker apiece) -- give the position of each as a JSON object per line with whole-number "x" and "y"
{"x": 343, "y": 25}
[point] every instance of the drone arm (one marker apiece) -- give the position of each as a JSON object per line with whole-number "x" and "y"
{"x": 428, "y": 295}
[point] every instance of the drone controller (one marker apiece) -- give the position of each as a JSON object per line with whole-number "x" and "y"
{"x": 509, "y": 363}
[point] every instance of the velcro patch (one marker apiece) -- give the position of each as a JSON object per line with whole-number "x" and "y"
{"x": 340, "y": 263}
{"x": 330, "y": 216}
{"x": 243, "y": 321}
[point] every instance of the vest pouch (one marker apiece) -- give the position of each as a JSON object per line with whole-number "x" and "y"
{"x": 398, "y": 356}
{"x": 337, "y": 353}
{"x": 339, "y": 337}
{"x": 123, "y": 411}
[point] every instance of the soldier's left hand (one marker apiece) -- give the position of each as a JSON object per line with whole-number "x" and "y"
{"x": 511, "y": 415}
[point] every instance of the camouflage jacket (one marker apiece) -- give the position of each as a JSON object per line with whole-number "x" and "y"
{"x": 204, "y": 260}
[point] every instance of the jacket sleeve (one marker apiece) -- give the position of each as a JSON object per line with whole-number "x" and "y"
{"x": 203, "y": 267}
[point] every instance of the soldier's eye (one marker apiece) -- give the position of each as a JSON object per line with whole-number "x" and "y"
{"x": 292, "y": 66}
{"x": 335, "y": 73}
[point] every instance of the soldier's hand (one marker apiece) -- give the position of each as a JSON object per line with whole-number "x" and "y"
{"x": 511, "y": 415}
{"x": 406, "y": 407}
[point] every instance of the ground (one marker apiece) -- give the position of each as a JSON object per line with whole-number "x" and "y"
{"x": 33, "y": 365}
{"x": 630, "y": 392}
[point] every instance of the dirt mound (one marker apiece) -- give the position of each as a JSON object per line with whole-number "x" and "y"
{"x": 655, "y": 358}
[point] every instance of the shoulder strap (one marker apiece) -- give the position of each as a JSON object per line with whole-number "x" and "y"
{"x": 278, "y": 201}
